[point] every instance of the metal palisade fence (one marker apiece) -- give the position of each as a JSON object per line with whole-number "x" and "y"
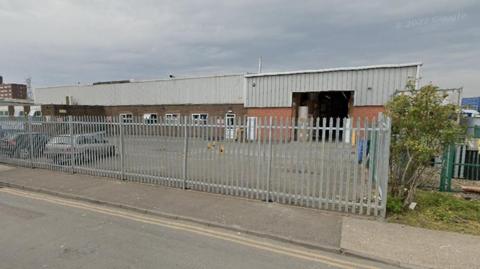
{"x": 327, "y": 163}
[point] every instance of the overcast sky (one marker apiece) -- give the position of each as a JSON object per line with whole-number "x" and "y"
{"x": 60, "y": 42}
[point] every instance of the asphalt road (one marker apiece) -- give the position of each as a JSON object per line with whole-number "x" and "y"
{"x": 42, "y": 231}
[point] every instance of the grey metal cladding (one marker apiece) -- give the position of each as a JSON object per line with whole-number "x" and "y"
{"x": 227, "y": 89}
{"x": 371, "y": 85}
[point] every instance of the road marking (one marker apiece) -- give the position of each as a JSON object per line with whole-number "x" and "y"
{"x": 301, "y": 254}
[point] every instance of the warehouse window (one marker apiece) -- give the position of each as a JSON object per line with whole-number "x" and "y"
{"x": 150, "y": 118}
{"x": 200, "y": 118}
{"x": 126, "y": 117}
{"x": 172, "y": 118}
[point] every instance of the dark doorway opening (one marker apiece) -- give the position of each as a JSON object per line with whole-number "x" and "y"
{"x": 323, "y": 104}
{"x": 332, "y": 105}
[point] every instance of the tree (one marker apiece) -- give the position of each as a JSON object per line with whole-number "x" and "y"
{"x": 422, "y": 126}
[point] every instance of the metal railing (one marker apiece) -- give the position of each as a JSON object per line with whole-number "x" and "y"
{"x": 335, "y": 164}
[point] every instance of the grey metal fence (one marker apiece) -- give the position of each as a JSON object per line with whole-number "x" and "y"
{"x": 335, "y": 164}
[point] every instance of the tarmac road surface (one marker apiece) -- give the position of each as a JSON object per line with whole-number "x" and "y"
{"x": 43, "y": 231}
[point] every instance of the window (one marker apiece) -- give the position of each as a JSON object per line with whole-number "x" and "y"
{"x": 230, "y": 119}
{"x": 200, "y": 118}
{"x": 150, "y": 118}
{"x": 172, "y": 118}
{"x": 126, "y": 117}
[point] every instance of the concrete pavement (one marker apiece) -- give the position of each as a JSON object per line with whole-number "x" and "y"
{"x": 410, "y": 246}
{"x": 393, "y": 243}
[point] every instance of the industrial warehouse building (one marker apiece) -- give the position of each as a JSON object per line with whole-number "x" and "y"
{"x": 336, "y": 92}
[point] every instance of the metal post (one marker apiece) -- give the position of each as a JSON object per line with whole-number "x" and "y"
{"x": 30, "y": 140}
{"x": 185, "y": 152}
{"x": 386, "y": 165}
{"x": 72, "y": 144}
{"x": 122, "y": 148}
{"x": 269, "y": 171}
{"x": 447, "y": 168}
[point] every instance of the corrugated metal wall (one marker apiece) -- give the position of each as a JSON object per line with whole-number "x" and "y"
{"x": 202, "y": 90}
{"x": 276, "y": 90}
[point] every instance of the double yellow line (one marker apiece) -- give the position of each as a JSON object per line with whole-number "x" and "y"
{"x": 287, "y": 251}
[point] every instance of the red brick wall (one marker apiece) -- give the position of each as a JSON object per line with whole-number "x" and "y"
{"x": 287, "y": 112}
{"x": 366, "y": 111}
{"x": 280, "y": 112}
{"x": 214, "y": 110}
{"x": 15, "y": 91}
{"x": 19, "y": 91}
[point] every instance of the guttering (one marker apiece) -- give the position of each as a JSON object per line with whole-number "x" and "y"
{"x": 418, "y": 64}
{"x": 133, "y": 81}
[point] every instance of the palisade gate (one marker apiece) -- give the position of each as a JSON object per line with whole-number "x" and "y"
{"x": 326, "y": 163}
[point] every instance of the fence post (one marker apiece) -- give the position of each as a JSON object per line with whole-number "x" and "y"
{"x": 72, "y": 144}
{"x": 269, "y": 171}
{"x": 185, "y": 152}
{"x": 30, "y": 140}
{"x": 386, "y": 165}
{"x": 447, "y": 168}
{"x": 122, "y": 148}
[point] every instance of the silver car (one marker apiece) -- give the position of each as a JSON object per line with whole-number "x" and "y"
{"x": 86, "y": 147}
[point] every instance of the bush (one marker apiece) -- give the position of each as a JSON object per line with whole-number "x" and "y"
{"x": 394, "y": 205}
{"x": 423, "y": 124}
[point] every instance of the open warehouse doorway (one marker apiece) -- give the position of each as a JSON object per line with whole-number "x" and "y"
{"x": 334, "y": 104}
{"x": 329, "y": 104}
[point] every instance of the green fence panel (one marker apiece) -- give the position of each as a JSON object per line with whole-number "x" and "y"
{"x": 447, "y": 168}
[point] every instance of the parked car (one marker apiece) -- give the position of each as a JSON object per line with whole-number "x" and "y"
{"x": 17, "y": 145}
{"x": 86, "y": 147}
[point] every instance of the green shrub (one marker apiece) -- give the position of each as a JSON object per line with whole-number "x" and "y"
{"x": 422, "y": 125}
{"x": 394, "y": 205}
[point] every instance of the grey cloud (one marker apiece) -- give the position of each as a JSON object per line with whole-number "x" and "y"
{"x": 62, "y": 42}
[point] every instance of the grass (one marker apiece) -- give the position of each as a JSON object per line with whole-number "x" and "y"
{"x": 441, "y": 211}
